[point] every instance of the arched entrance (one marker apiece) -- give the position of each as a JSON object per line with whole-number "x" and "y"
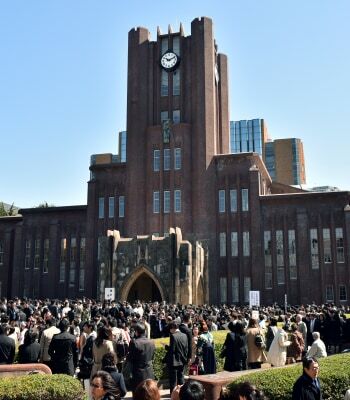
{"x": 142, "y": 285}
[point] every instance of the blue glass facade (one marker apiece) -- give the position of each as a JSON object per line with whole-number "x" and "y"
{"x": 246, "y": 136}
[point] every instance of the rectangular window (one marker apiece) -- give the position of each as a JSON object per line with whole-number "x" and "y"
{"x": 27, "y": 254}
{"x": 245, "y": 200}
{"x": 314, "y": 248}
{"x": 339, "y": 244}
{"x": 156, "y": 160}
{"x": 223, "y": 289}
{"x": 82, "y": 264}
{"x": 101, "y": 207}
{"x": 176, "y": 45}
{"x": 46, "y": 256}
{"x": 156, "y": 207}
{"x": 1, "y": 252}
{"x": 166, "y": 199}
{"x": 176, "y": 117}
{"x": 329, "y": 293}
{"x": 63, "y": 259}
{"x": 327, "y": 252}
{"x": 247, "y": 286}
{"x": 166, "y": 165}
{"x": 164, "y": 86}
{"x": 233, "y": 200}
{"x": 235, "y": 289}
{"x": 177, "y": 158}
{"x": 292, "y": 254}
{"x": 246, "y": 244}
{"x": 268, "y": 259}
{"x": 222, "y": 205}
{"x": 111, "y": 207}
{"x": 121, "y": 206}
{"x": 280, "y": 258}
{"x": 73, "y": 260}
{"x": 164, "y": 116}
{"x": 342, "y": 293}
{"x": 122, "y": 150}
{"x": 176, "y": 83}
{"x": 177, "y": 201}
{"x": 222, "y": 237}
{"x": 37, "y": 254}
{"x": 234, "y": 244}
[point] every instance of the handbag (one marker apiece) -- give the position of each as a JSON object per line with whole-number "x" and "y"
{"x": 127, "y": 374}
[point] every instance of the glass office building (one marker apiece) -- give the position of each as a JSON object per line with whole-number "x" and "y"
{"x": 248, "y": 136}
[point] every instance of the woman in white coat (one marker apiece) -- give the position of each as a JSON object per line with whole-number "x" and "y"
{"x": 277, "y": 354}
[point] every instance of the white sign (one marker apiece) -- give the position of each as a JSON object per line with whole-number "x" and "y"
{"x": 254, "y": 298}
{"x": 110, "y": 294}
{"x": 255, "y": 314}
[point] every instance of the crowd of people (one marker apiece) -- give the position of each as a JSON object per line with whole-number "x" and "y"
{"x": 109, "y": 346}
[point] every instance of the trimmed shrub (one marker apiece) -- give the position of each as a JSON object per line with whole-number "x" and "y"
{"x": 277, "y": 384}
{"x": 41, "y": 387}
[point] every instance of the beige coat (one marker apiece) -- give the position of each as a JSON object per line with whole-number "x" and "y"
{"x": 45, "y": 341}
{"x": 254, "y": 353}
{"x": 99, "y": 352}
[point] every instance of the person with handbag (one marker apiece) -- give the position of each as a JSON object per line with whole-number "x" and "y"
{"x": 235, "y": 349}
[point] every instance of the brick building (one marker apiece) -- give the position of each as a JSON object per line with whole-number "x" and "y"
{"x": 174, "y": 216}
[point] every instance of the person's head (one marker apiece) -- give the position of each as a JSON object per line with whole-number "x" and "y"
{"x": 101, "y": 384}
{"x": 247, "y": 391}
{"x": 273, "y": 321}
{"x": 253, "y": 323}
{"x": 109, "y": 360}
{"x": 298, "y": 318}
{"x": 88, "y": 327}
{"x": 103, "y": 333}
{"x": 204, "y": 327}
{"x": 195, "y": 330}
{"x": 231, "y": 326}
{"x": 315, "y": 335}
{"x": 30, "y": 337}
{"x": 239, "y": 328}
{"x": 63, "y": 325}
{"x": 139, "y": 329}
{"x": 147, "y": 390}
{"x": 173, "y": 326}
{"x": 294, "y": 327}
{"x": 311, "y": 367}
{"x": 192, "y": 390}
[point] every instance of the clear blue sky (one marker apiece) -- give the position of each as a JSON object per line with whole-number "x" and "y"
{"x": 63, "y": 83}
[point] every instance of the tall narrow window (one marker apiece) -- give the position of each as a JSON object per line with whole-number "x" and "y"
{"x": 292, "y": 254}
{"x": 176, "y": 83}
{"x": 177, "y": 201}
{"x": 280, "y": 258}
{"x": 164, "y": 86}
{"x": 156, "y": 207}
{"x": 329, "y": 293}
{"x": 164, "y": 116}
{"x": 327, "y": 252}
{"x": 233, "y": 200}
{"x": 245, "y": 200}
{"x": 176, "y": 116}
{"x": 222, "y": 205}
{"x": 339, "y": 244}
{"x": 121, "y": 206}
{"x": 314, "y": 248}
{"x": 166, "y": 160}
{"x": 247, "y": 286}
{"x": 235, "y": 289}
{"x": 111, "y": 207}
{"x": 156, "y": 160}
{"x": 166, "y": 201}
{"x": 122, "y": 144}
{"x": 343, "y": 296}
{"x": 73, "y": 260}
{"x": 27, "y": 254}
{"x": 268, "y": 259}
{"x": 222, "y": 238}
{"x": 1, "y": 252}
{"x": 234, "y": 244}
{"x": 246, "y": 244}
{"x": 101, "y": 207}
{"x": 223, "y": 289}
{"x": 63, "y": 259}
{"x": 37, "y": 254}
{"x": 82, "y": 264}
{"x": 176, "y": 45}
{"x": 177, "y": 158}
{"x": 46, "y": 256}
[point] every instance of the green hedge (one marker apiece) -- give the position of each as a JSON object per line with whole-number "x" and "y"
{"x": 160, "y": 369}
{"x": 277, "y": 384}
{"x": 41, "y": 387}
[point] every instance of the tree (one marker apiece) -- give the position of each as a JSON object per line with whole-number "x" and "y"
{"x": 7, "y": 212}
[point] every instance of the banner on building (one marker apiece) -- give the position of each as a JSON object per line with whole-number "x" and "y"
{"x": 254, "y": 298}
{"x": 110, "y": 294}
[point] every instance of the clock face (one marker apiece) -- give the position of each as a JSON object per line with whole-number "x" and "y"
{"x": 169, "y": 60}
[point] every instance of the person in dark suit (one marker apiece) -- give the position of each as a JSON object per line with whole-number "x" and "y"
{"x": 307, "y": 386}
{"x": 141, "y": 353}
{"x": 29, "y": 351}
{"x": 109, "y": 362}
{"x": 183, "y": 327}
{"x": 63, "y": 351}
{"x": 7, "y": 346}
{"x": 313, "y": 324}
{"x": 177, "y": 355}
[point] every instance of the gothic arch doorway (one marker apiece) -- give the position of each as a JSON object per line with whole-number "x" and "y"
{"x": 142, "y": 285}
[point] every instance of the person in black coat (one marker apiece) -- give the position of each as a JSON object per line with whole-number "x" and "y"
{"x": 141, "y": 353}
{"x": 29, "y": 351}
{"x": 63, "y": 351}
{"x": 109, "y": 365}
{"x": 183, "y": 327}
{"x": 235, "y": 348}
{"x": 7, "y": 346}
{"x": 177, "y": 356}
{"x": 307, "y": 386}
